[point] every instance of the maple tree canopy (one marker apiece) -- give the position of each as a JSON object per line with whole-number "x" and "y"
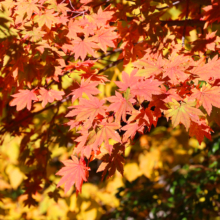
{"x": 55, "y": 56}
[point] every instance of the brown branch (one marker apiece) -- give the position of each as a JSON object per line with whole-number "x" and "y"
{"x": 109, "y": 53}
{"x": 186, "y": 18}
{"x": 14, "y": 123}
{"x": 110, "y": 65}
{"x": 190, "y": 22}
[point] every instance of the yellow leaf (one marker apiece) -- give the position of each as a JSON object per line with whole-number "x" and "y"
{"x": 131, "y": 171}
{"x": 15, "y": 176}
{"x": 149, "y": 161}
{"x": 108, "y": 199}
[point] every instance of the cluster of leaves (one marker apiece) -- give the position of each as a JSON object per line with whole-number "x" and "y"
{"x": 50, "y": 40}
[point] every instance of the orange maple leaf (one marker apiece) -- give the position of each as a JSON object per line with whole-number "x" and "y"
{"x": 74, "y": 172}
{"x": 105, "y": 38}
{"x": 146, "y": 88}
{"x": 87, "y": 109}
{"x": 199, "y": 130}
{"x": 86, "y": 87}
{"x": 121, "y": 106}
{"x": 83, "y": 47}
{"x": 207, "y": 96}
{"x": 101, "y": 18}
{"x": 23, "y": 98}
{"x": 49, "y": 95}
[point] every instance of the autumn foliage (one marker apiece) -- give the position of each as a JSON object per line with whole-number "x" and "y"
{"x": 55, "y": 56}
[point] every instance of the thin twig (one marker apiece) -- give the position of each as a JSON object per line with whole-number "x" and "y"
{"x": 110, "y": 65}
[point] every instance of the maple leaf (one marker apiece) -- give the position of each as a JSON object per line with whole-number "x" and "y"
{"x": 146, "y": 88}
{"x": 88, "y": 109}
{"x": 207, "y": 96}
{"x": 149, "y": 67}
{"x": 85, "y": 145}
{"x": 207, "y": 71}
{"x": 131, "y": 130}
{"x": 137, "y": 50}
{"x": 35, "y": 35}
{"x": 86, "y": 87}
{"x": 121, "y": 106}
{"x": 127, "y": 81}
{"x": 55, "y": 195}
{"x": 49, "y": 95}
{"x": 73, "y": 124}
{"x": 104, "y": 37}
{"x": 48, "y": 18}
{"x": 207, "y": 43}
{"x": 171, "y": 94}
{"x": 30, "y": 201}
{"x": 82, "y": 47}
{"x": 143, "y": 117}
{"x": 73, "y": 28}
{"x": 199, "y": 130}
{"x": 175, "y": 68}
{"x": 101, "y": 18}
{"x": 107, "y": 131}
{"x": 74, "y": 172}
{"x": 28, "y": 7}
{"x": 183, "y": 112}
{"x": 23, "y": 98}
{"x": 88, "y": 27}
{"x": 212, "y": 13}
{"x": 114, "y": 162}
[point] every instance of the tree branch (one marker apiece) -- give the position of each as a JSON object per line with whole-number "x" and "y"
{"x": 186, "y": 18}
{"x": 13, "y": 123}
{"x": 190, "y": 22}
{"x": 110, "y": 65}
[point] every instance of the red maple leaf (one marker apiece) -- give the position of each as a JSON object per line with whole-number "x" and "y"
{"x": 149, "y": 66}
{"x": 204, "y": 44}
{"x": 86, "y": 87}
{"x": 207, "y": 71}
{"x": 121, "y": 106}
{"x": 146, "y": 88}
{"x": 23, "y": 98}
{"x": 107, "y": 131}
{"x": 144, "y": 117}
{"x": 114, "y": 162}
{"x": 82, "y": 47}
{"x": 131, "y": 130}
{"x": 49, "y": 95}
{"x": 199, "y": 130}
{"x": 175, "y": 68}
{"x": 207, "y": 96}
{"x": 171, "y": 94}
{"x": 101, "y": 18}
{"x": 212, "y": 13}
{"x": 73, "y": 28}
{"x": 74, "y": 172}
{"x": 87, "y": 109}
{"x": 127, "y": 81}
{"x": 104, "y": 37}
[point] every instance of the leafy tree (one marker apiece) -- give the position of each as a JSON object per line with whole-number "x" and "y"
{"x": 55, "y": 56}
